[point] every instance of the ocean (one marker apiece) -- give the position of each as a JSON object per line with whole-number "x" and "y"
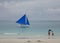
{"x": 37, "y": 29}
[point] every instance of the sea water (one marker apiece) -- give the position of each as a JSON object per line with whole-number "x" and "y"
{"x": 36, "y": 29}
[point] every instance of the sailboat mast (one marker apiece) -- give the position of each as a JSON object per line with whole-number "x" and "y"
{"x": 25, "y": 19}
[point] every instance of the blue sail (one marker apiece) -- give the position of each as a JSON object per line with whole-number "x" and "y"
{"x": 27, "y": 22}
{"x": 23, "y": 20}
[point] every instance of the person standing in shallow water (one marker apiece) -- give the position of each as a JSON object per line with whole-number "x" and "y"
{"x": 49, "y": 33}
{"x": 52, "y": 34}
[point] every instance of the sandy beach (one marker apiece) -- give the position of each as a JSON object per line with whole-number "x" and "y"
{"x": 29, "y": 40}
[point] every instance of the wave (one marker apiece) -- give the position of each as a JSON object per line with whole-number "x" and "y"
{"x": 8, "y": 33}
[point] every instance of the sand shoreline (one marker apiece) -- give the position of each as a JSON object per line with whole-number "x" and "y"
{"x": 29, "y": 40}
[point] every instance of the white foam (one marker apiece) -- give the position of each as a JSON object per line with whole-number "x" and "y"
{"x": 10, "y": 34}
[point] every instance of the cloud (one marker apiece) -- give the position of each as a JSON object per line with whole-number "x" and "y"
{"x": 15, "y": 0}
{"x": 35, "y": 9}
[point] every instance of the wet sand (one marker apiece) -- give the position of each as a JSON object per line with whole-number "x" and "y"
{"x": 29, "y": 40}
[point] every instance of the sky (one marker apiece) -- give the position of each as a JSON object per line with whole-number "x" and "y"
{"x": 34, "y": 9}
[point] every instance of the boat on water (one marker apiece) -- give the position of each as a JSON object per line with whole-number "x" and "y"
{"x": 23, "y": 21}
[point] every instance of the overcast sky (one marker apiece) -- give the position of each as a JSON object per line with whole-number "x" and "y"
{"x": 34, "y": 9}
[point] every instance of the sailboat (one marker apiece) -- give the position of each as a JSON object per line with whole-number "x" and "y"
{"x": 23, "y": 21}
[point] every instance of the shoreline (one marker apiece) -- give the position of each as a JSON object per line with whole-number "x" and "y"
{"x": 29, "y": 40}
{"x": 28, "y": 37}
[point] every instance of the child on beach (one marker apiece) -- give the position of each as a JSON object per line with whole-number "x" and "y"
{"x": 52, "y": 34}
